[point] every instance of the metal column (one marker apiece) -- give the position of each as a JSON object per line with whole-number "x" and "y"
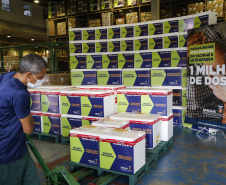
{"x": 155, "y": 9}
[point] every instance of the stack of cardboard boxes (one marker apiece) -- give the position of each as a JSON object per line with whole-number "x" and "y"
{"x": 94, "y": 5}
{"x": 94, "y": 23}
{"x": 71, "y": 7}
{"x": 216, "y": 6}
{"x": 52, "y": 30}
{"x": 182, "y": 11}
{"x": 61, "y": 9}
{"x": 195, "y": 8}
{"x": 61, "y": 28}
{"x": 145, "y": 16}
{"x": 82, "y": 6}
{"x": 71, "y": 22}
{"x": 131, "y": 18}
{"x": 56, "y": 79}
{"x": 107, "y": 19}
{"x": 106, "y": 4}
{"x": 120, "y": 21}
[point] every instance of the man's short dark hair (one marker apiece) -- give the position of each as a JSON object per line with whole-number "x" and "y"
{"x": 32, "y": 63}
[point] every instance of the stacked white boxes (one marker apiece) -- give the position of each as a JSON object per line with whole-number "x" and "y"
{"x": 121, "y": 124}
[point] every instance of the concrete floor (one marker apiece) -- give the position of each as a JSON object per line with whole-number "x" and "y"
{"x": 191, "y": 160}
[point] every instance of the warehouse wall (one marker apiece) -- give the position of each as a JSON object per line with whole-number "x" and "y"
{"x": 17, "y": 14}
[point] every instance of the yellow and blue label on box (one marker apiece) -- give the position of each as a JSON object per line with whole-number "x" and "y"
{"x": 70, "y": 103}
{"x": 171, "y": 26}
{"x": 155, "y": 28}
{"x": 94, "y": 61}
{"x": 109, "y": 61}
{"x": 155, "y": 43}
{"x": 114, "y": 46}
{"x": 161, "y": 58}
{"x": 127, "y": 31}
{"x": 69, "y": 122}
{"x": 141, "y": 44}
{"x": 202, "y": 20}
{"x": 88, "y": 34}
{"x": 136, "y": 77}
{"x": 109, "y": 77}
{"x": 37, "y": 116}
{"x": 178, "y": 116}
{"x": 143, "y": 60}
{"x": 186, "y": 24}
{"x": 101, "y": 34}
{"x": 141, "y": 30}
{"x": 75, "y": 35}
{"x": 89, "y": 47}
{"x": 35, "y": 97}
{"x": 127, "y": 45}
{"x": 85, "y": 149}
{"x": 170, "y": 41}
{"x": 126, "y": 60}
{"x": 84, "y": 77}
{"x": 50, "y": 102}
{"x": 114, "y": 33}
{"x": 179, "y": 57}
{"x": 101, "y": 47}
{"x": 78, "y": 62}
{"x": 75, "y": 47}
{"x": 51, "y": 123}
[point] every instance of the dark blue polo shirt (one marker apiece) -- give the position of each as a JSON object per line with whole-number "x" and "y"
{"x": 14, "y": 105}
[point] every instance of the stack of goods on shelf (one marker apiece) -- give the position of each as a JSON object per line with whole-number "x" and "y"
{"x": 51, "y": 30}
{"x": 61, "y": 28}
{"x": 94, "y": 23}
{"x": 216, "y": 6}
{"x": 61, "y": 8}
{"x": 56, "y": 79}
{"x": 131, "y": 18}
{"x": 118, "y": 3}
{"x": 106, "y": 4}
{"x": 145, "y": 1}
{"x": 71, "y": 22}
{"x": 132, "y": 2}
{"x": 107, "y": 18}
{"x": 71, "y": 7}
{"x": 123, "y": 149}
{"x": 120, "y": 21}
{"x": 146, "y": 54}
{"x": 145, "y": 16}
{"x": 195, "y": 8}
{"x": 83, "y": 6}
{"x": 94, "y": 5}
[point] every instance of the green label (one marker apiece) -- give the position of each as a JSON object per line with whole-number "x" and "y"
{"x": 66, "y": 127}
{"x": 73, "y": 62}
{"x": 77, "y": 149}
{"x": 121, "y": 61}
{"x": 151, "y": 43}
{"x": 110, "y": 46}
{"x": 98, "y": 47}
{"x": 71, "y": 35}
{"x": 182, "y": 25}
{"x": 105, "y": 61}
{"x": 146, "y": 104}
{"x": 89, "y": 62}
{"x": 123, "y": 45}
{"x": 46, "y": 124}
{"x": 107, "y": 155}
{"x": 152, "y": 29}
{"x": 85, "y": 122}
{"x": 122, "y": 103}
{"x": 65, "y": 104}
{"x": 123, "y": 32}
{"x": 167, "y": 27}
{"x": 138, "y": 60}
{"x": 137, "y": 45}
{"x": 175, "y": 58}
{"x": 72, "y": 48}
{"x": 167, "y": 42}
{"x": 184, "y": 77}
{"x": 156, "y": 59}
{"x": 45, "y": 103}
{"x": 102, "y": 77}
{"x": 77, "y": 77}
{"x": 204, "y": 53}
{"x": 98, "y": 34}
{"x": 85, "y": 105}
{"x": 110, "y": 33}
{"x": 85, "y": 47}
{"x": 184, "y": 94}
{"x": 129, "y": 78}
{"x": 157, "y": 77}
{"x": 137, "y": 31}
{"x": 197, "y": 22}
{"x": 182, "y": 41}
{"x": 85, "y": 35}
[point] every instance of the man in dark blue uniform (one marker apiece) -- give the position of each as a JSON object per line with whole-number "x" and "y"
{"x": 16, "y": 165}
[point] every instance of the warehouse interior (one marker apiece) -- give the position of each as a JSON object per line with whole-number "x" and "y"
{"x": 195, "y": 155}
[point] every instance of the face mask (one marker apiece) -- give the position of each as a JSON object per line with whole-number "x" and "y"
{"x": 37, "y": 84}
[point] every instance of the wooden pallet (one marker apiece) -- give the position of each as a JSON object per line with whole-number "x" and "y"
{"x": 65, "y": 140}
{"x": 106, "y": 176}
{"x": 44, "y": 136}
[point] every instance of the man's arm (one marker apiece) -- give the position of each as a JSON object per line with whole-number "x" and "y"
{"x": 27, "y": 124}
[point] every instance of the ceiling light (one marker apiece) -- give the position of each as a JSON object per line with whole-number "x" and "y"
{"x": 32, "y": 39}
{"x": 8, "y": 36}
{"x": 36, "y": 1}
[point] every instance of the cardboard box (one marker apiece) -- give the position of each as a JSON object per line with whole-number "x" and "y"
{"x": 51, "y": 123}
{"x": 120, "y": 21}
{"x": 107, "y": 19}
{"x": 69, "y": 122}
{"x": 161, "y": 58}
{"x": 94, "y": 61}
{"x": 37, "y": 117}
{"x": 84, "y": 77}
{"x": 52, "y": 30}
{"x": 143, "y": 60}
{"x": 71, "y": 22}
{"x": 35, "y": 96}
{"x": 167, "y": 128}
{"x": 109, "y": 77}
